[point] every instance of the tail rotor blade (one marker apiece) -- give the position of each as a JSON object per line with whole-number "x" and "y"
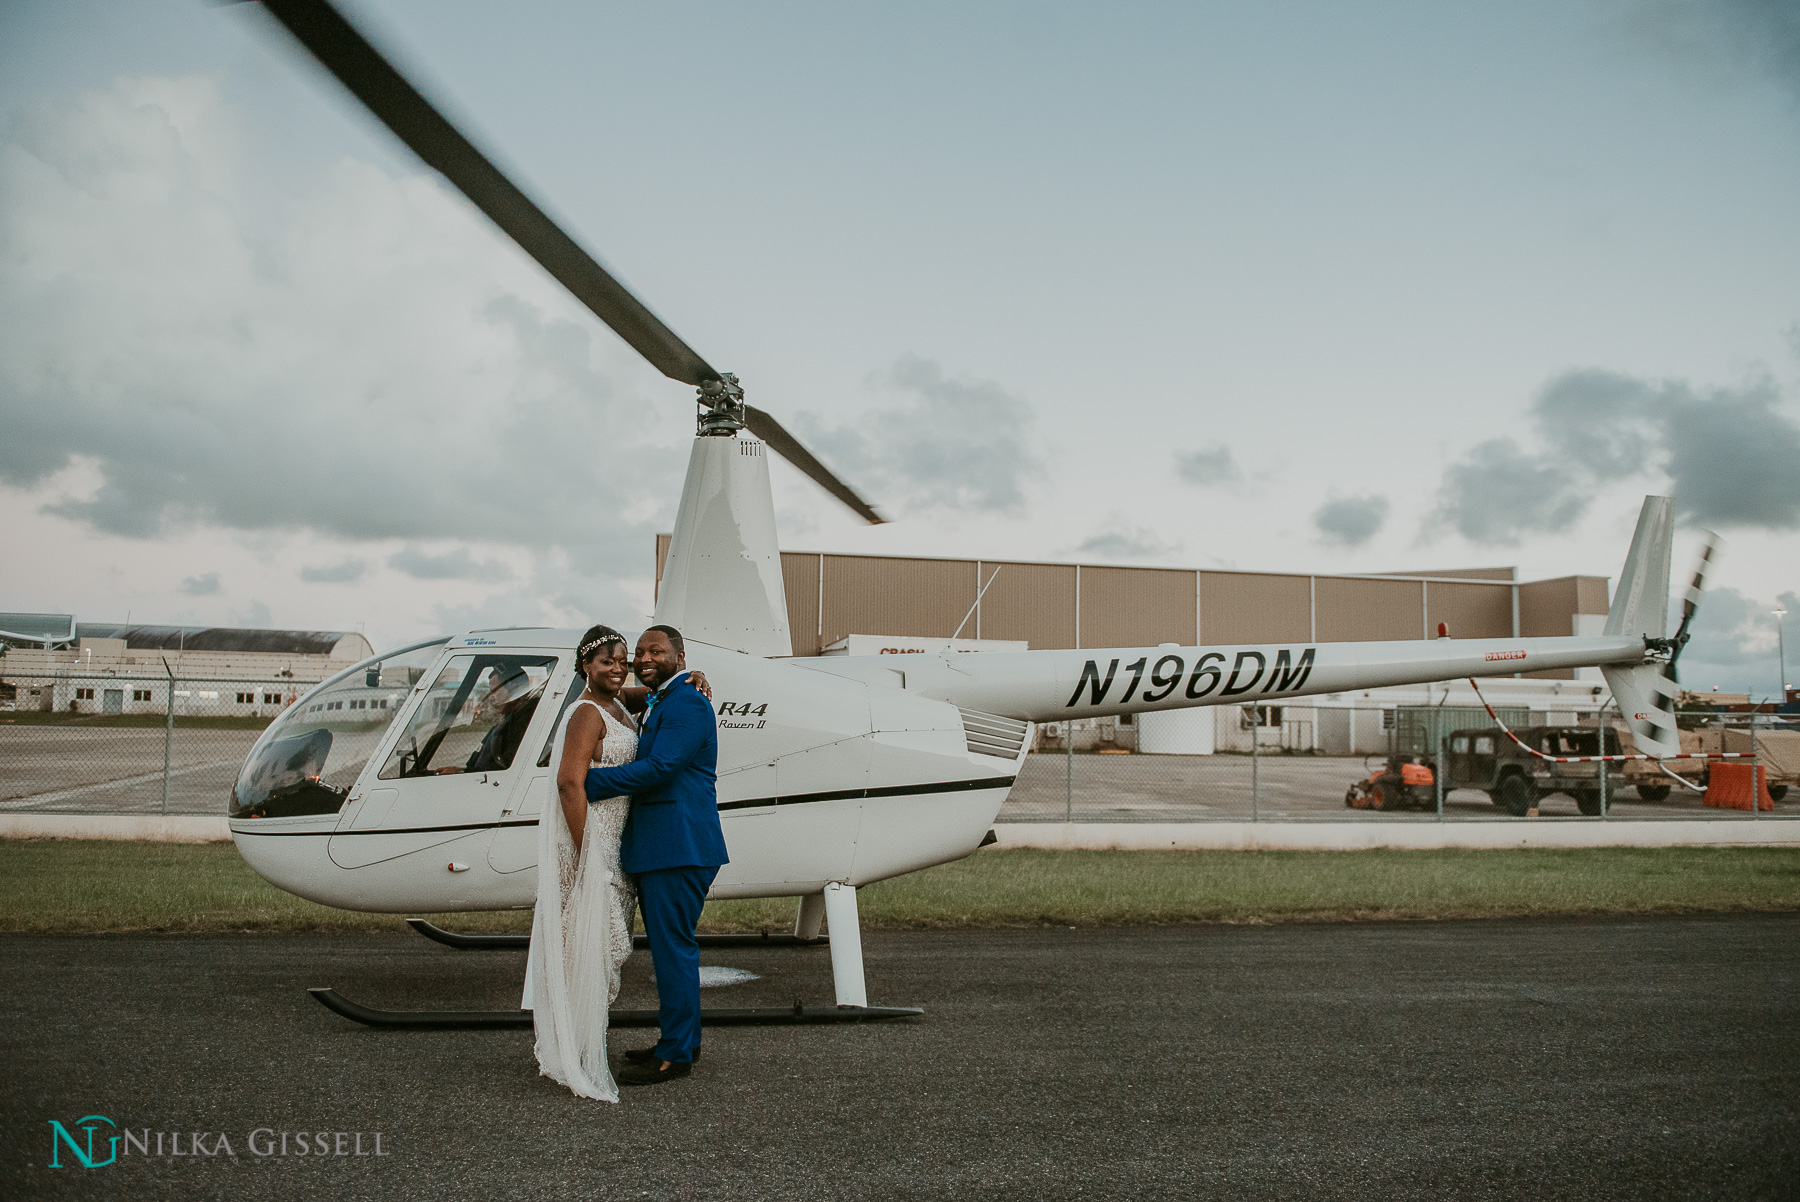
{"x": 397, "y": 104}
{"x": 788, "y": 447}
{"x": 1690, "y": 601}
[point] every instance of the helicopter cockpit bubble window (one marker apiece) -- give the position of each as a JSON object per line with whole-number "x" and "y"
{"x": 473, "y": 717}
{"x": 309, "y": 757}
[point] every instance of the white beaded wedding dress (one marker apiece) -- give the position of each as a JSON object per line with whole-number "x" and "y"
{"x": 581, "y": 932}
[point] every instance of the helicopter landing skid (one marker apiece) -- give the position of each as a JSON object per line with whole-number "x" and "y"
{"x": 441, "y": 1020}
{"x": 463, "y": 942}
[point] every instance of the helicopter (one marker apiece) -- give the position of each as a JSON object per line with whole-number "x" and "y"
{"x": 414, "y": 781}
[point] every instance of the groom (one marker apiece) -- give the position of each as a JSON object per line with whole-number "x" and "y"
{"x": 672, "y": 843}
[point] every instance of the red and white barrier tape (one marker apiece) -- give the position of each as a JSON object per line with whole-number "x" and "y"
{"x": 1609, "y": 759}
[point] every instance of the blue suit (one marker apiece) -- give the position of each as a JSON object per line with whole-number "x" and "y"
{"x": 674, "y": 845}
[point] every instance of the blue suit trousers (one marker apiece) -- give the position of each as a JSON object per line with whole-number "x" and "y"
{"x": 671, "y": 899}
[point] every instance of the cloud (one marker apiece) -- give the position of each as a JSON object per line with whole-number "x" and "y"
{"x": 1726, "y": 41}
{"x": 1733, "y": 461}
{"x": 956, "y": 444}
{"x": 1733, "y": 642}
{"x": 347, "y": 572}
{"x": 1499, "y": 492}
{"x": 255, "y": 617}
{"x": 456, "y": 564}
{"x": 1214, "y": 465}
{"x": 1350, "y": 521}
{"x": 1726, "y": 454}
{"x": 377, "y": 363}
{"x": 1126, "y": 542}
{"x": 201, "y": 586}
{"x": 555, "y": 592}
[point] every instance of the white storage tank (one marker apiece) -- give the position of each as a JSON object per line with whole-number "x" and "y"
{"x": 1176, "y": 732}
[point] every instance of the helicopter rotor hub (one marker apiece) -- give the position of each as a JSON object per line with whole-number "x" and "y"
{"x": 721, "y": 407}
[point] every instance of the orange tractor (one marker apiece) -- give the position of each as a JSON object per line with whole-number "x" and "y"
{"x": 1405, "y": 782}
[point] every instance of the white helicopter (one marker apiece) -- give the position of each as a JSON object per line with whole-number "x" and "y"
{"x": 414, "y": 780}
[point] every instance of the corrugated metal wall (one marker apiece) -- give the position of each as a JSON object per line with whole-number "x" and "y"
{"x": 1472, "y": 611}
{"x": 1136, "y": 607}
{"x": 800, "y": 574}
{"x": 1030, "y": 601}
{"x": 831, "y": 596}
{"x": 866, "y": 594}
{"x": 1251, "y": 607}
{"x": 1361, "y": 610}
{"x": 1547, "y": 609}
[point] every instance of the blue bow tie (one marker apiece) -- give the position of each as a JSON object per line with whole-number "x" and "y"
{"x": 658, "y": 695}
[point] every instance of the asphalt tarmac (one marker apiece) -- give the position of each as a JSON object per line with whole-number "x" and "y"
{"x": 90, "y": 769}
{"x": 1504, "y": 1059}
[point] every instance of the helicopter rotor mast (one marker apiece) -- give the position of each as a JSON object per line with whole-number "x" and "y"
{"x": 343, "y": 51}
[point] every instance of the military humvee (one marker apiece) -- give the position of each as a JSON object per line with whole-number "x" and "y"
{"x": 1515, "y": 780}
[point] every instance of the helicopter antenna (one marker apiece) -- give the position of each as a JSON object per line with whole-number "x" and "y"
{"x": 976, "y": 606}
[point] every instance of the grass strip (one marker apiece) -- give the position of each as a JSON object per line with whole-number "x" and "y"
{"x": 92, "y": 887}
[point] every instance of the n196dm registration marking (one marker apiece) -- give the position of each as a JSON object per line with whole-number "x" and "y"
{"x": 1248, "y": 669}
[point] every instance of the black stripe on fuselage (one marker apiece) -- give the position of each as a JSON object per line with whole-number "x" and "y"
{"x": 950, "y": 786}
{"x": 953, "y": 786}
{"x": 399, "y": 830}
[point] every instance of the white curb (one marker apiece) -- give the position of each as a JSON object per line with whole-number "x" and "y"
{"x": 1124, "y": 836}
{"x": 156, "y": 828}
{"x": 1347, "y": 836}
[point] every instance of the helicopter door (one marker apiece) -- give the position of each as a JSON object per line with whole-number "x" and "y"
{"x": 451, "y": 772}
{"x": 514, "y": 846}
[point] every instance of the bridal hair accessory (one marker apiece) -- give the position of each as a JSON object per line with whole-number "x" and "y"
{"x": 582, "y": 653}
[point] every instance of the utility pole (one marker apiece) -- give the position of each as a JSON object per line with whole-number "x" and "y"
{"x": 1781, "y": 649}
{"x": 168, "y": 731}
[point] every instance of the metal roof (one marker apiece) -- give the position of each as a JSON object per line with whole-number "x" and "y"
{"x": 37, "y": 629}
{"x": 217, "y": 638}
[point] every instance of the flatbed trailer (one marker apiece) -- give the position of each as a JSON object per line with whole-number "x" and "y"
{"x": 1777, "y": 750}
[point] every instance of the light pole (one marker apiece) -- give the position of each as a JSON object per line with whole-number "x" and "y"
{"x": 1781, "y": 649}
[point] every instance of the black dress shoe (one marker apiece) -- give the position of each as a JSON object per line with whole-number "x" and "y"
{"x": 653, "y": 1074}
{"x": 648, "y": 1056}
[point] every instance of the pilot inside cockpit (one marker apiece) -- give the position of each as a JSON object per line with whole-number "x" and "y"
{"x": 510, "y": 695}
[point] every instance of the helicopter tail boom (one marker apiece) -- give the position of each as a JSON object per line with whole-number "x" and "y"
{"x": 1053, "y": 686}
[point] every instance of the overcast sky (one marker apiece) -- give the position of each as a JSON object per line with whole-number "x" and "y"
{"x": 1301, "y": 287}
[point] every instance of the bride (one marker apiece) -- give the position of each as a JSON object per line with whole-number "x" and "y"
{"x": 581, "y": 932}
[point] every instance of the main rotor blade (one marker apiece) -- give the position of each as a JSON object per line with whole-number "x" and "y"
{"x": 789, "y": 448}
{"x": 344, "y": 52}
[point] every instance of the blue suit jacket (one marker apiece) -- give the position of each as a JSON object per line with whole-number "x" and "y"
{"x": 673, "y": 786}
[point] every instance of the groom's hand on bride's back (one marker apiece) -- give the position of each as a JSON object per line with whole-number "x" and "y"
{"x": 682, "y": 735}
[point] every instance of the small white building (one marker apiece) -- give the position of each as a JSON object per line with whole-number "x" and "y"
{"x": 52, "y": 662}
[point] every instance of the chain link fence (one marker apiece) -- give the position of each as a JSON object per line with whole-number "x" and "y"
{"x": 1397, "y": 763}
{"x": 93, "y": 743}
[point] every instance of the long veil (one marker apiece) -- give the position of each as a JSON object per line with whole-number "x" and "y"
{"x": 570, "y": 954}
